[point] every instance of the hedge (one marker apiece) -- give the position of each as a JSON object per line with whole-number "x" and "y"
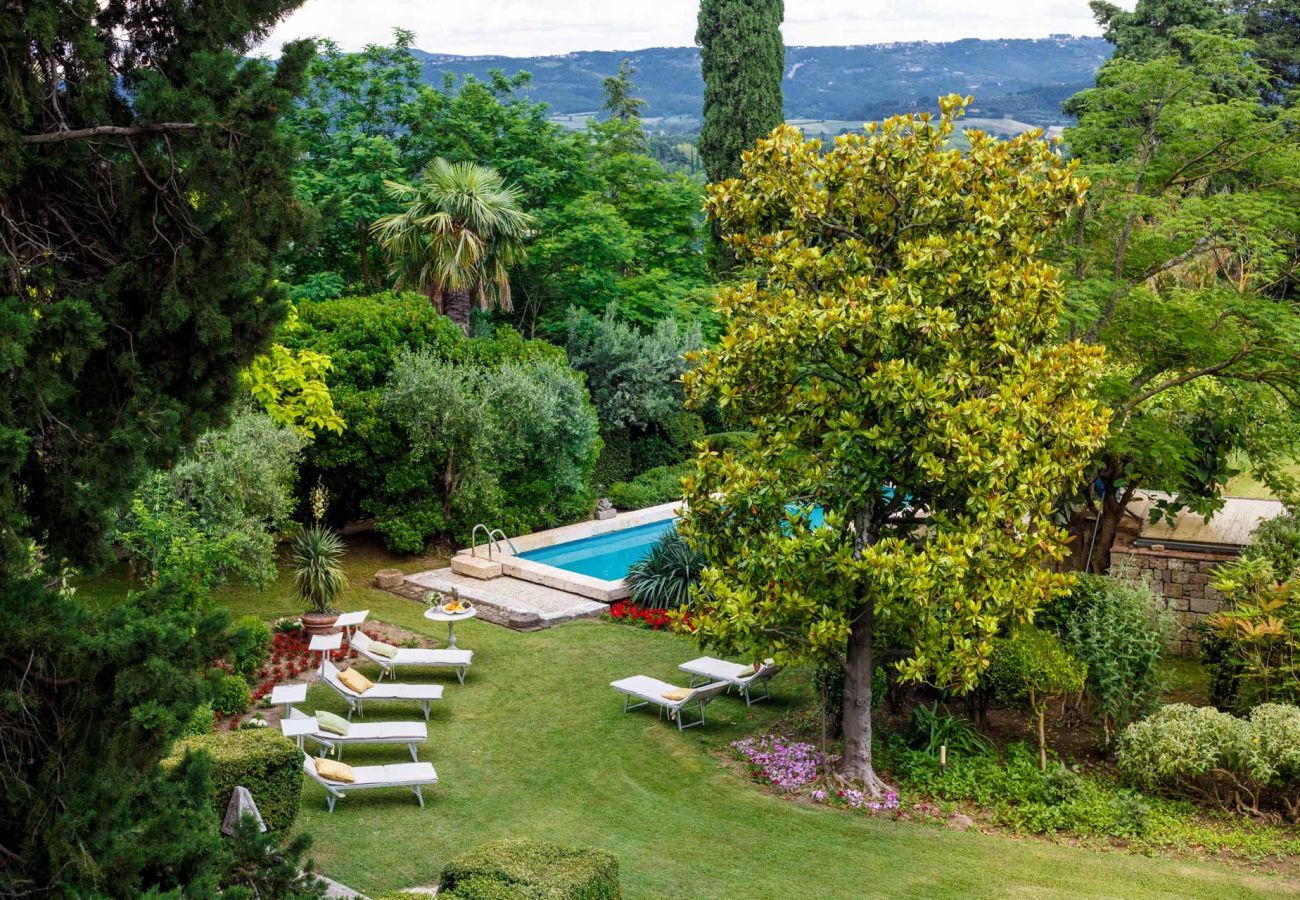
{"x": 661, "y": 485}
{"x": 531, "y": 870}
{"x": 261, "y": 760}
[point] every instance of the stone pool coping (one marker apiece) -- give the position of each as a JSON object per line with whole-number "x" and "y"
{"x": 599, "y": 589}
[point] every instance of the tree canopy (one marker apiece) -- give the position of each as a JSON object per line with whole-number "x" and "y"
{"x": 1183, "y": 260}
{"x": 914, "y": 416}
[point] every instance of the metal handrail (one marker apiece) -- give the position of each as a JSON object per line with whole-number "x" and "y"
{"x": 491, "y": 541}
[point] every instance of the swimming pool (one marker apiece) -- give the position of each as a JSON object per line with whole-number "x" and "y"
{"x": 605, "y": 556}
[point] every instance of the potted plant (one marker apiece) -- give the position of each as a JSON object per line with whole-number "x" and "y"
{"x": 318, "y": 577}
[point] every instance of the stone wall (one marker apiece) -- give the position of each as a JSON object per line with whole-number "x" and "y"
{"x": 1182, "y": 577}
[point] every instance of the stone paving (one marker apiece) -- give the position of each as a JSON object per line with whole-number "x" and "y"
{"x": 517, "y": 604}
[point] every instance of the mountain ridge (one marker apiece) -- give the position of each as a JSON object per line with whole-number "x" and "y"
{"x": 1018, "y": 79}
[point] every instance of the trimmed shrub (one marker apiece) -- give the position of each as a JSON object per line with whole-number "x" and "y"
{"x": 260, "y": 760}
{"x": 614, "y": 464}
{"x": 531, "y": 870}
{"x": 1242, "y": 765}
{"x": 199, "y": 722}
{"x": 231, "y": 696}
{"x": 734, "y": 441}
{"x": 661, "y": 485}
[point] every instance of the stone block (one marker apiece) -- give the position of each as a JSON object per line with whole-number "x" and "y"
{"x": 479, "y": 567}
{"x": 1179, "y": 576}
{"x": 387, "y": 579}
{"x": 1174, "y": 564}
{"x": 1204, "y": 607}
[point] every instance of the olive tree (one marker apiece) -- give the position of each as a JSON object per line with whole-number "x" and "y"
{"x": 896, "y": 359}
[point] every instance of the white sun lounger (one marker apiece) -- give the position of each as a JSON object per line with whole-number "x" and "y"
{"x": 651, "y": 691}
{"x": 449, "y": 657}
{"x": 413, "y": 775}
{"x": 737, "y": 675}
{"x": 423, "y": 694}
{"x": 299, "y": 725}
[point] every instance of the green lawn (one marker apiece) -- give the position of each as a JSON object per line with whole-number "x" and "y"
{"x": 536, "y": 744}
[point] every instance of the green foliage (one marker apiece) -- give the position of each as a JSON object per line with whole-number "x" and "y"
{"x": 254, "y": 646}
{"x": 533, "y": 870}
{"x": 634, "y": 377}
{"x": 200, "y": 721}
{"x": 260, "y": 759}
{"x": 317, "y": 563}
{"x": 289, "y": 385}
{"x": 1151, "y": 28}
{"x": 1031, "y": 667}
{"x": 231, "y": 695}
{"x": 612, "y": 224}
{"x": 1244, "y": 765}
{"x": 664, "y": 579}
{"x": 621, "y": 101}
{"x": 1181, "y": 259}
{"x": 458, "y": 232}
{"x": 138, "y": 265}
{"x": 512, "y": 444}
{"x": 1118, "y": 628}
{"x": 742, "y": 59}
{"x": 931, "y": 416}
{"x": 650, "y": 488}
{"x": 1277, "y": 540}
{"x": 98, "y": 698}
{"x": 214, "y": 516}
{"x": 932, "y": 730}
{"x": 257, "y": 864}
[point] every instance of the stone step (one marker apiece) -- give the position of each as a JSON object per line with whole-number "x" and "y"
{"x": 507, "y": 601}
{"x": 476, "y": 567}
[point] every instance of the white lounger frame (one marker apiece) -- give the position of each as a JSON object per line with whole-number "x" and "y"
{"x": 336, "y": 790}
{"x": 423, "y": 694}
{"x": 650, "y": 692}
{"x": 334, "y": 743}
{"x": 447, "y": 658}
{"x": 704, "y": 670}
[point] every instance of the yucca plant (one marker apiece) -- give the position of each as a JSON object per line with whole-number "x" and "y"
{"x": 663, "y": 579}
{"x": 318, "y": 576}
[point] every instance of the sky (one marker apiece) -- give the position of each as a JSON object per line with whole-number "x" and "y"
{"x": 545, "y": 27}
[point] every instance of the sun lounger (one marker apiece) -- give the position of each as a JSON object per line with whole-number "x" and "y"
{"x": 449, "y": 657}
{"x": 651, "y": 691}
{"x": 299, "y": 725}
{"x": 423, "y": 694}
{"x": 413, "y": 775}
{"x": 737, "y": 675}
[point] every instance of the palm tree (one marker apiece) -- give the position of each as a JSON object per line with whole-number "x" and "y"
{"x": 460, "y": 232}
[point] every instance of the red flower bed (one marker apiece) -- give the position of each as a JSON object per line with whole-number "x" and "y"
{"x": 642, "y": 617}
{"x": 289, "y": 659}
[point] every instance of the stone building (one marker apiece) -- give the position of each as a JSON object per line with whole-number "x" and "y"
{"x": 1178, "y": 560}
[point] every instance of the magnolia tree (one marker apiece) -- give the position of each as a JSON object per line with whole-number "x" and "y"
{"x": 895, "y": 359}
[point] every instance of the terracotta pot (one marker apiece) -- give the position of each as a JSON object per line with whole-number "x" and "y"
{"x": 319, "y": 623}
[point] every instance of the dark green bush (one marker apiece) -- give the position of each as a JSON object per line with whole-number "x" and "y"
{"x": 730, "y": 440}
{"x": 260, "y": 760}
{"x": 668, "y": 442}
{"x": 231, "y": 696}
{"x": 531, "y": 870}
{"x": 199, "y": 722}
{"x": 614, "y": 464}
{"x": 661, "y": 485}
{"x": 1278, "y": 541}
{"x": 663, "y": 580}
{"x": 1118, "y": 627}
{"x": 254, "y": 646}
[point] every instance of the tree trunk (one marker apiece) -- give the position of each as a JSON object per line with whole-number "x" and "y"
{"x": 363, "y": 252}
{"x": 1041, "y": 711}
{"x": 1110, "y": 513}
{"x": 856, "y": 764}
{"x": 457, "y": 307}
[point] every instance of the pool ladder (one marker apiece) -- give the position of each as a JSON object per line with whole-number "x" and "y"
{"x": 491, "y": 541}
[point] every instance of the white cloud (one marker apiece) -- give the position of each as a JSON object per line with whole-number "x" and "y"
{"x": 535, "y": 27}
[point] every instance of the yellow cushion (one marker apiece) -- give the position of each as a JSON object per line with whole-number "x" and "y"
{"x": 676, "y": 694}
{"x": 355, "y": 680}
{"x": 335, "y": 771}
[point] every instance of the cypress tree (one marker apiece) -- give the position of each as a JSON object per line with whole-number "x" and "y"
{"x": 742, "y": 58}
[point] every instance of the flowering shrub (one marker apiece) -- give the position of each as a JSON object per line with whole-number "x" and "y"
{"x": 644, "y": 617}
{"x": 792, "y": 767}
{"x": 289, "y": 659}
{"x": 787, "y": 765}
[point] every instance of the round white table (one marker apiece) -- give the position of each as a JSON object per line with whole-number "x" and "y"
{"x": 435, "y": 614}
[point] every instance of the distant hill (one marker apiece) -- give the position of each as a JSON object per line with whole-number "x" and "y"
{"x": 826, "y": 88}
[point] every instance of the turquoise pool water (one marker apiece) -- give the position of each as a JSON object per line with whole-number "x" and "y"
{"x": 606, "y": 556}
{"x": 610, "y": 555}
